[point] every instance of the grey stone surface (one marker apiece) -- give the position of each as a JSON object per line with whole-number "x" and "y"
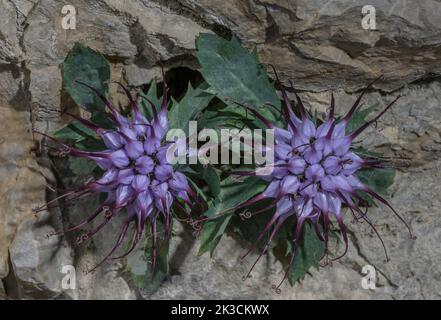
{"x": 106, "y": 282}
{"x": 10, "y": 50}
{"x": 22, "y": 181}
{"x": 318, "y": 44}
{"x": 306, "y": 39}
{"x": 37, "y": 261}
{"x": 2, "y": 291}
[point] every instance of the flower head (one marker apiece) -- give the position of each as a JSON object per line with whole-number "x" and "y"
{"x": 314, "y": 174}
{"x": 136, "y": 175}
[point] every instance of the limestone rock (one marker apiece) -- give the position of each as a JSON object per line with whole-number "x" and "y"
{"x": 322, "y": 45}
{"x": 22, "y": 183}
{"x": 37, "y": 261}
{"x": 246, "y": 19}
{"x": 22, "y": 240}
{"x": 2, "y": 291}
{"x": 107, "y": 281}
{"x": 10, "y": 50}
{"x": 11, "y": 87}
{"x": 159, "y": 35}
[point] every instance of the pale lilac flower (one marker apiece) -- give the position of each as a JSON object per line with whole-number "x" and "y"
{"x": 314, "y": 175}
{"x": 137, "y": 178}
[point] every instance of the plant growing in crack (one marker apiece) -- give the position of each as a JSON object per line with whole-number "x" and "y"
{"x": 318, "y": 175}
{"x": 136, "y": 178}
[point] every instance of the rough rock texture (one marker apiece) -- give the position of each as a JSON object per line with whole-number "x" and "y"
{"x": 22, "y": 181}
{"x": 9, "y": 39}
{"x": 318, "y": 44}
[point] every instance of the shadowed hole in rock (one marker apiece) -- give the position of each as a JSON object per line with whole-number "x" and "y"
{"x": 177, "y": 81}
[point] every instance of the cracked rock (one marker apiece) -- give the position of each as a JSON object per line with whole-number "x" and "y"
{"x": 10, "y": 51}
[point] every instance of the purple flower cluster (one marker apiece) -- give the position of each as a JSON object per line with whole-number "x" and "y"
{"x": 137, "y": 176}
{"x": 313, "y": 175}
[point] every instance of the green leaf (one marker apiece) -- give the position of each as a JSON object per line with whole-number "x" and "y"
{"x": 359, "y": 118}
{"x": 81, "y": 166}
{"x": 308, "y": 253}
{"x": 211, "y": 177}
{"x": 211, "y": 234}
{"x": 102, "y": 120}
{"x": 139, "y": 266}
{"x": 231, "y": 194}
{"x": 74, "y": 132}
{"x": 194, "y": 101}
{"x": 79, "y": 136}
{"x": 234, "y": 191}
{"x": 221, "y": 116}
{"x": 89, "y": 66}
{"x": 379, "y": 180}
{"x": 236, "y": 75}
{"x": 249, "y": 228}
{"x": 207, "y": 175}
{"x": 196, "y": 188}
